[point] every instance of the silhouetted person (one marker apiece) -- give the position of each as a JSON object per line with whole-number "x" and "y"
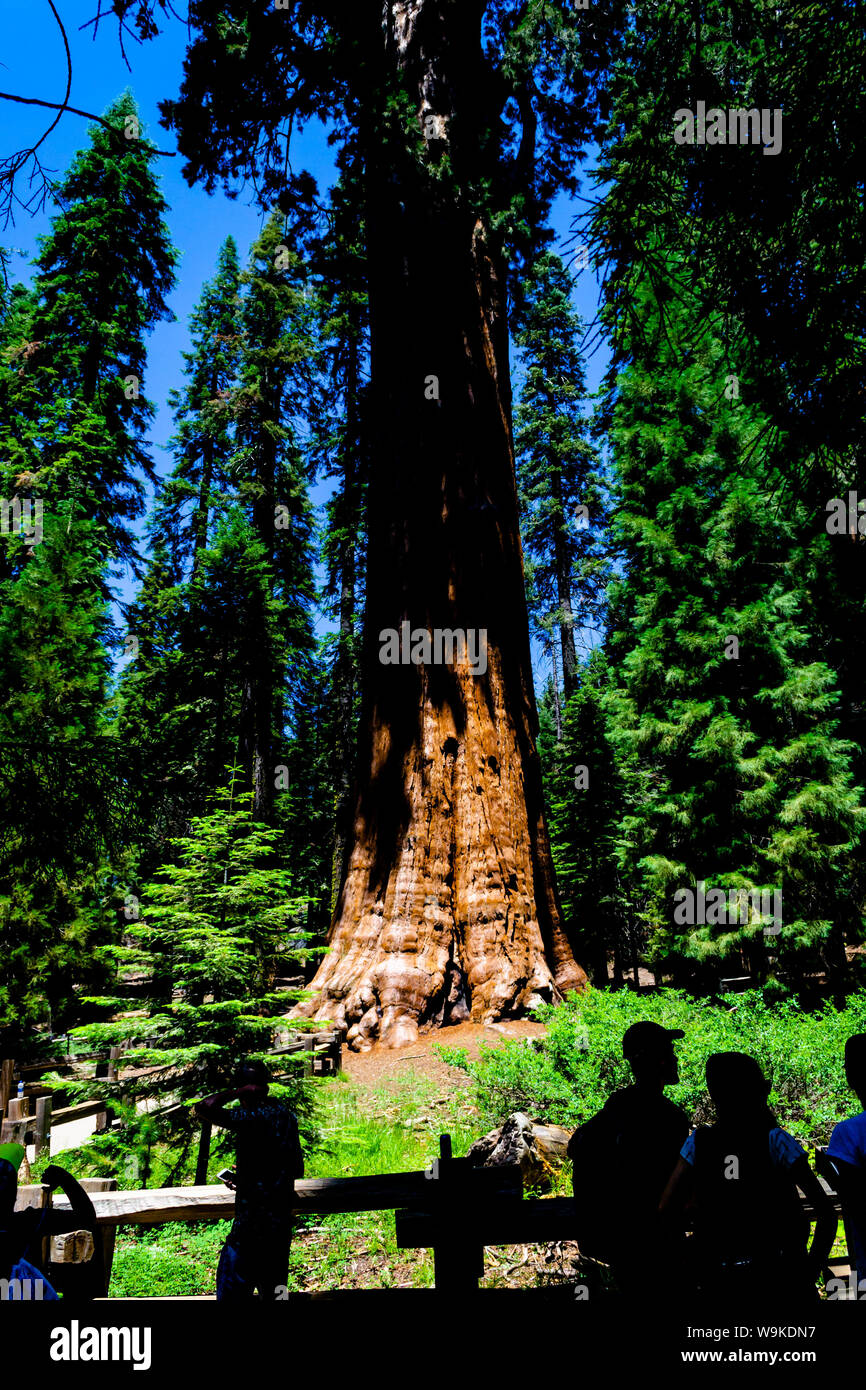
{"x": 847, "y": 1148}
{"x": 739, "y": 1178}
{"x": 18, "y": 1229}
{"x": 268, "y": 1159}
{"x": 624, "y": 1156}
{"x": 75, "y": 1282}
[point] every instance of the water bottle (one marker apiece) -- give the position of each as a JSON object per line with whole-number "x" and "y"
{"x": 20, "y": 1090}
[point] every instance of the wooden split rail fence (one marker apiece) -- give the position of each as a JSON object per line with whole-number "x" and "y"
{"x": 30, "y": 1118}
{"x": 452, "y": 1208}
{"x": 440, "y": 1207}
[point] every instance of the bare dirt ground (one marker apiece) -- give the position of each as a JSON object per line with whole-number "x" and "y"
{"x": 383, "y": 1077}
{"x": 384, "y": 1066}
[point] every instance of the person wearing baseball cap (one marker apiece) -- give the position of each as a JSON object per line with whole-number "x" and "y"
{"x": 648, "y": 1040}
{"x": 623, "y": 1157}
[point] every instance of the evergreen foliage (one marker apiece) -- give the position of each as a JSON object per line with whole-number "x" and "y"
{"x": 71, "y": 435}
{"x": 716, "y": 733}
{"x": 557, "y": 467}
{"x": 216, "y": 925}
{"x": 724, "y": 717}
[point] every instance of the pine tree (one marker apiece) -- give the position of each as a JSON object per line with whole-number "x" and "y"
{"x": 204, "y": 440}
{"x": 222, "y": 621}
{"x": 57, "y": 777}
{"x": 771, "y": 244}
{"x": 558, "y": 480}
{"x": 216, "y": 925}
{"x": 724, "y": 714}
{"x": 275, "y": 384}
{"x": 102, "y": 278}
{"x": 175, "y": 698}
{"x": 71, "y": 432}
{"x": 585, "y": 801}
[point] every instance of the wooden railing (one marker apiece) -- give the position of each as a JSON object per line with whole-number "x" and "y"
{"x": 29, "y": 1119}
{"x": 452, "y": 1208}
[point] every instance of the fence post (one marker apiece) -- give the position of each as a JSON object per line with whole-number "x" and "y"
{"x": 43, "y": 1124}
{"x": 457, "y": 1266}
{"x": 14, "y": 1131}
{"x": 7, "y": 1072}
{"x": 108, "y": 1232}
{"x": 203, "y": 1156}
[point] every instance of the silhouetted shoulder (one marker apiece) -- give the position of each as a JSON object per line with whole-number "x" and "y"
{"x": 848, "y": 1141}
{"x": 594, "y": 1128}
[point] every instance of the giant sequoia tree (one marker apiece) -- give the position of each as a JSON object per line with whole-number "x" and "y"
{"x": 468, "y": 116}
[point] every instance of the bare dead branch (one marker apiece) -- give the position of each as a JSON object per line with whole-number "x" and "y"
{"x": 40, "y": 185}
{"x": 75, "y": 111}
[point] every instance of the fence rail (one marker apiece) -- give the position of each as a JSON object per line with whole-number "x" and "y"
{"x": 452, "y": 1208}
{"x": 29, "y": 1119}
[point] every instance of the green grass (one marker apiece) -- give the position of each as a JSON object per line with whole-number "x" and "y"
{"x": 391, "y": 1130}
{"x": 562, "y": 1078}
{"x": 172, "y": 1260}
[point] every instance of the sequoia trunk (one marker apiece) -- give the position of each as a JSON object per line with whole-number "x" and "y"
{"x": 448, "y": 910}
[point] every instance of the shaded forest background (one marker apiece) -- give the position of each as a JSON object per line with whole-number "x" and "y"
{"x": 177, "y": 771}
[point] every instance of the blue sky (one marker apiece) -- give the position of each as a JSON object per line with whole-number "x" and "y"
{"x": 33, "y": 64}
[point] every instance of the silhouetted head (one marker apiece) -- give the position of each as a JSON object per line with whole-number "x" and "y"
{"x": 855, "y": 1065}
{"x": 252, "y": 1073}
{"x": 11, "y": 1158}
{"x": 649, "y": 1050}
{"x": 737, "y": 1086}
{"x": 8, "y": 1192}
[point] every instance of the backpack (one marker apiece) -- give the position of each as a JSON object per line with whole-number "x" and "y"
{"x": 596, "y": 1226}
{"x": 613, "y": 1192}
{"x": 748, "y": 1213}
{"x": 623, "y": 1158}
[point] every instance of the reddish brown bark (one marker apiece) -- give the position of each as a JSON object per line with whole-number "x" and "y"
{"x": 449, "y": 908}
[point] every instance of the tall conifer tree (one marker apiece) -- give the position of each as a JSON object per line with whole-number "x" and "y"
{"x": 73, "y": 419}
{"x": 275, "y": 386}
{"x": 558, "y": 481}
{"x": 724, "y": 714}
{"x": 204, "y": 439}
